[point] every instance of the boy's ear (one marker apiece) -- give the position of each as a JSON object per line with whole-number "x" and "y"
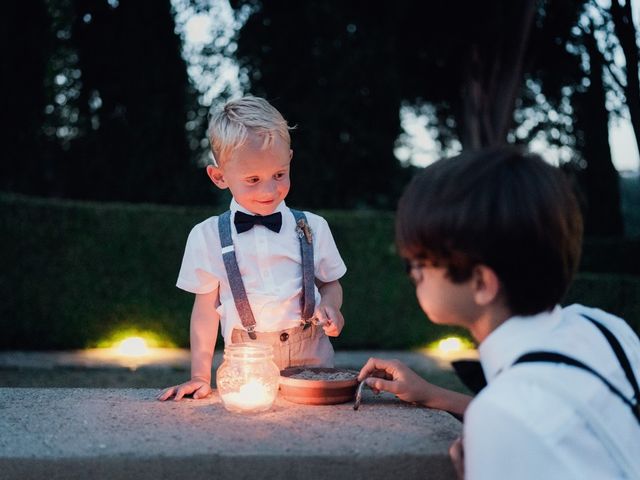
{"x": 217, "y": 177}
{"x": 290, "y": 154}
{"x": 486, "y": 285}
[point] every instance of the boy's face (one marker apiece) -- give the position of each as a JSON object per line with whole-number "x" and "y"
{"x": 258, "y": 178}
{"x": 444, "y": 302}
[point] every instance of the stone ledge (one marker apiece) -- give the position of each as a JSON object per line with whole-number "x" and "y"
{"x": 100, "y": 433}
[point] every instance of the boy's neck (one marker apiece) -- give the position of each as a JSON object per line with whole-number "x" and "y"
{"x": 489, "y": 319}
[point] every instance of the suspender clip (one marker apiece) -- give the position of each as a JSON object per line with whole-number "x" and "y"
{"x": 251, "y": 332}
{"x": 304, "y": 231}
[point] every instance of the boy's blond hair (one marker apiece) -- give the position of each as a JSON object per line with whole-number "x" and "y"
{"x": 230, "y": 126}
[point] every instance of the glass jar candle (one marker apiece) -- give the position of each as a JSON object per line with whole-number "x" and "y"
{"x": 248, "y": 379}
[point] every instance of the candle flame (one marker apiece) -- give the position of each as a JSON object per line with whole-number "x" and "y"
{"x": 252, "y": 395}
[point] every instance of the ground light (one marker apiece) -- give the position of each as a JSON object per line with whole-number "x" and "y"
{"x": 450, "y": 344}
{"x": 133, "y": 347}
{"x": 450, "y": 348}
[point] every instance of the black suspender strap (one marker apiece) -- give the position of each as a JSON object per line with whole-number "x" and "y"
{"x": 622, "y": 357}
{"x": 554, "y": 357}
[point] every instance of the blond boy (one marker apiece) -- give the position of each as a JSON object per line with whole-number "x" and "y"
{"x": 261, "y": 271}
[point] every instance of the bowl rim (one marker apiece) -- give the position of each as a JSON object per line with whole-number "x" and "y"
{"x": 285, "y": 378}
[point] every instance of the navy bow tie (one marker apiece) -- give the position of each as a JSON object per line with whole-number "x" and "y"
{"x": 244, "y": 222}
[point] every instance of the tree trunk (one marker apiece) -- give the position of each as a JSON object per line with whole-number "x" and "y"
{"x": 601, "y": 180}
{"x": 493, "y": 79}
{"x": 626, "y": 33}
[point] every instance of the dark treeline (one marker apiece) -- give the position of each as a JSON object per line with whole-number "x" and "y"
{"x": 98, "y": 98}
{"x": 98, "y": 103}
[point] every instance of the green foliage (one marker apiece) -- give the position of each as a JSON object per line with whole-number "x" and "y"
{"x": 617, "y": 294}
{"x": 76, "y": 274}
{"x": 611, "y": 255}
{"x": 630, "y": 196}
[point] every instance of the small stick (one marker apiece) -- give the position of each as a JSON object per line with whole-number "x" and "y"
{"x": 356, "y": 404}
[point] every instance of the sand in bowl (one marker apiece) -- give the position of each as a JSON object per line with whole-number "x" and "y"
{"x": 318, "y": 385}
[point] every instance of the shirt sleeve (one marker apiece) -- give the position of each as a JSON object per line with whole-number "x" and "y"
{"x": 196, "y": 272}
{"x": 499, "y": 445}
{"x": 329, "y": 265}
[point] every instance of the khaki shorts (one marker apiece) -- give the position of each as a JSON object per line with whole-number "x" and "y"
{"x": 293, "y": 347}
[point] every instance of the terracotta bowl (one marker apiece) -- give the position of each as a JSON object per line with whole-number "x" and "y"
{"x": 316, "y": 391}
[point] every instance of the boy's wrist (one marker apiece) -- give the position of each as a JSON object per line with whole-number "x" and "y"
{"x": 200, "y": 378}
{"x": 330, "y": 305}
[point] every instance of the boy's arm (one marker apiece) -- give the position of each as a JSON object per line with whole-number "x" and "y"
{"x": 328, "y": 311}
{"x": 204, "y": 331}
{"x": 205, "y": 320}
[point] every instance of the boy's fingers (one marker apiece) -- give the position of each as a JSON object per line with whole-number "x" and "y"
{"x": 202, "y": 392}
{"x": 456, "y": 452}
{"x": 373, "y": 365}
{"x": 330, "y": 329}
{"x": 318, "y": 321}
{"x": 199, "y": 390}
{"x": 165, "y": 394}
{"x": 181, "y": 392}
{"x": 379, "y": 384}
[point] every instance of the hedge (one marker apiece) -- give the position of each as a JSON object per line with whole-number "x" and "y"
{"x": 76, "y": 273}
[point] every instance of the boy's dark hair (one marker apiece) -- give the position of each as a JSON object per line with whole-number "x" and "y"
{"x": 502, "y": 208}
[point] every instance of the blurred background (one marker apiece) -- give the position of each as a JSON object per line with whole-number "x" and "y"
{"x": 104, "y": 112}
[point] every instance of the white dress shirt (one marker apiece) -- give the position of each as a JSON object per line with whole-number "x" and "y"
{"x": 270, "y": 265}
{"x": 520, "y": 427}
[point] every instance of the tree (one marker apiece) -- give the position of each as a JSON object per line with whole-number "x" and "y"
{"x": 331, "y": 68}
{"x": 600, "y": 178}
{"x": 96, "y": 102}
{"x": 493, "y": 75}
{"x": 26, "y": 38}
{"x": 132, "y": 103}
{"x": 625, "y": 31}
{"x": 463, "y": 62}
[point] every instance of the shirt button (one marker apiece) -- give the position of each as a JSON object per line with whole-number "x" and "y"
{"x": 284, "y": 336}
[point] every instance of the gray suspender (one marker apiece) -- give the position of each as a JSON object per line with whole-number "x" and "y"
{"x": 235, "y": 279}
{"x": 233, "y": 274}
{"x": 308, "y": 300}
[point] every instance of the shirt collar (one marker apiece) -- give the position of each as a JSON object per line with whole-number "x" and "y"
{"x": 514, "y": 337}
{"x": 234, "y": 206}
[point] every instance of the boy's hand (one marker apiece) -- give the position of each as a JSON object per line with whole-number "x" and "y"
{"x": 198, "y": 387}
{"x": 330, "y": 318}
{"x": 395, "y": 377}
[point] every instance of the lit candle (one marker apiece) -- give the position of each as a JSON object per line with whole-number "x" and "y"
{"x": 252, "y": 395}
{"x": 247, "y": 380}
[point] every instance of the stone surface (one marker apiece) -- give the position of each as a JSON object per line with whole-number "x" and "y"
{"x": 126, "y": 433}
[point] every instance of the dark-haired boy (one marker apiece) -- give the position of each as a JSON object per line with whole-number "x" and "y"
{"x": 492, "y": 240}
